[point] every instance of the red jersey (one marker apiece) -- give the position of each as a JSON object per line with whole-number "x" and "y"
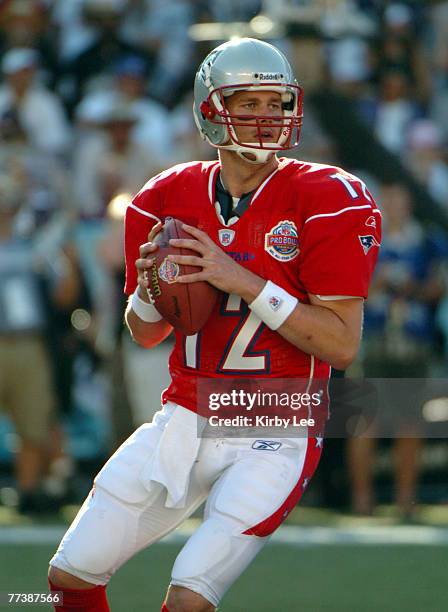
{"x": 309, "y": 228}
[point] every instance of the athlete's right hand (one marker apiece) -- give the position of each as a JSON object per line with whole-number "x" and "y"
{"x": 145, "y": 261}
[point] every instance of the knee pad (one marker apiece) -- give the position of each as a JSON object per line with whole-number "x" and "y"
{"x": 213, "y": 558}
{"x": 99, "y": 535}
{"x": 207, "y": 547}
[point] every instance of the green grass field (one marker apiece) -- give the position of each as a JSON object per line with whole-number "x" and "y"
{"x": 284, "y": 578}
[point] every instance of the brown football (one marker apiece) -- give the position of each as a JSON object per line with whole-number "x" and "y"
{"x": 185, "y": 306}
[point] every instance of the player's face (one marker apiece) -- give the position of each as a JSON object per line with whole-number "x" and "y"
{"x": 245, "y": 104}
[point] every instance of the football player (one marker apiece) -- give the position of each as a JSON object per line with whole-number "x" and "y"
{"x": 292, "y": 246}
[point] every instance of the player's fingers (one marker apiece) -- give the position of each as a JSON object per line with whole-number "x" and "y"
{"x": 187, "y": 260}
{"x": 143, "y": 264}
{"x": 199, "y": 234}
{"x": 191, "y": 278}
{"x": 146, "y": 248}
{"x": 155, "y": 230}
{"x": 186, "y": 243}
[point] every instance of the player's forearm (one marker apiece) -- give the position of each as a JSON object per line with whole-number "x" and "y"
{"x": 319, "y": 331}
{"x": 147, "y": 335}
{"x": 314, "y": 329}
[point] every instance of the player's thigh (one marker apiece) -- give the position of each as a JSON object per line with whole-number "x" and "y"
{"x": 122, "y": 515}
{"x": 108, "y": 531}
{"x": 246, "y": 504}
{"x": 262, "y": 486}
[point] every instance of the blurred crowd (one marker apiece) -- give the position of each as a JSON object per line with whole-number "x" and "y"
{"x": 95, "y": 98}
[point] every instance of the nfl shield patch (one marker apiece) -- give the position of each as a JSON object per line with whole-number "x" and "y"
{"x": 275, "y": 302}
{"x": 226, "y": 236}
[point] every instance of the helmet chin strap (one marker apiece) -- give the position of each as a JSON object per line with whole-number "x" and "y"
{"x": 254, "y": 156}
{"x": 249, "y": 155}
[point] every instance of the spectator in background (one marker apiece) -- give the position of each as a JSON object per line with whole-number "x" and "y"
{"x": 26, "y": 390}
{"x": 93, "y": 64}
{"x": 72, "y": 30}
{"x": 349, "y": 65}
{"x": 112, "y": 162}
{"x": 425, "y": 158}
{"x": 138, "y": 376}
{"x": 438, "y": 35}
{"x": 399, "y": 49}
{"x": 399, "y": 336}
{"x": 391, "y": 111}
{"x": 26, "y": 23}
{"x": 152, "y": 129}
{"x": 173, "y": 53}
{"x": 105, "y": 164}
{"x": 43, "y": 179}
{"x": 30, "y": 105}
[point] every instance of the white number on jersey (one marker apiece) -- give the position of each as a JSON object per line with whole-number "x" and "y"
{"x": 236, "y": 359}
{"x": 351, "y": 190}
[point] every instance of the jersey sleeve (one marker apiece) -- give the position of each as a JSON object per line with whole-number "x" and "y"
{"x": 141, "y": 215}
{"x": 339, "y": 249}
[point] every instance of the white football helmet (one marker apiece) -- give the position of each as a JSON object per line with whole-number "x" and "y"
{"x": 246, "y": 64}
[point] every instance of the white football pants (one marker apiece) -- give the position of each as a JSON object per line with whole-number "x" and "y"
{"x": 250, "y": 488}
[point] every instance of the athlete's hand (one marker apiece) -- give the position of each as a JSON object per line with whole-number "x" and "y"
{"x": 145, "y": 261}
{"x": 218, "y": 268}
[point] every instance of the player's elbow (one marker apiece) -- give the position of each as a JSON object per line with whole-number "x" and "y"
{"x": 147, "y": 335}
{"x": 344, "y": 356}
{"x": 144, "y": 341}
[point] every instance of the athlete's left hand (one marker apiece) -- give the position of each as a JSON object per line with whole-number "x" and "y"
{"x": 218, "y": 268}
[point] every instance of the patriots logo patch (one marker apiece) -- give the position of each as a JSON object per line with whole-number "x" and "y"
{"x": 367, "y": 242}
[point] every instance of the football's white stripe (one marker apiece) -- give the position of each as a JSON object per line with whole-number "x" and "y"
{"x": 343, "y": 210}
{"x": 143, "y": 212}
{"x": 291, "y": 535}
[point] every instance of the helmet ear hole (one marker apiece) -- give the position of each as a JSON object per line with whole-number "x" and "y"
{"x": 288, "y": 106}
{"x": 207, "y": 110}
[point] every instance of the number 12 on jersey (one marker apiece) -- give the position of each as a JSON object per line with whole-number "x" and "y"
{"x": 238, "y": 355}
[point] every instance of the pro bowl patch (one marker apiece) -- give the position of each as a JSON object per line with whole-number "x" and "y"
{"x": 168, "y": 271}
{"x": 282, "y": 242}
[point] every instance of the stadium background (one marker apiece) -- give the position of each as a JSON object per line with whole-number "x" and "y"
{"x": 102, "y": 102}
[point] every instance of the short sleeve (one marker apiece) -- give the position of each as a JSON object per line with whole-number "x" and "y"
{"x": 141, "y": 215}
{"x": 339, "y": 251}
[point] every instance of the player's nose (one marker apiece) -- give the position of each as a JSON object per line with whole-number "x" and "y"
{"x": 270, "y": 115}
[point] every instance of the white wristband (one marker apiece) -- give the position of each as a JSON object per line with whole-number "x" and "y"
{"x": 146, "y": 312}
{"x": 273, "y": 305}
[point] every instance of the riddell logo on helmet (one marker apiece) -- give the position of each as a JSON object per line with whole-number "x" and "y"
{"x": 268, "y": 76}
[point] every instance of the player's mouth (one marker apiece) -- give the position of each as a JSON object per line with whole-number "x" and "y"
{"x": 266, "y": 134}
